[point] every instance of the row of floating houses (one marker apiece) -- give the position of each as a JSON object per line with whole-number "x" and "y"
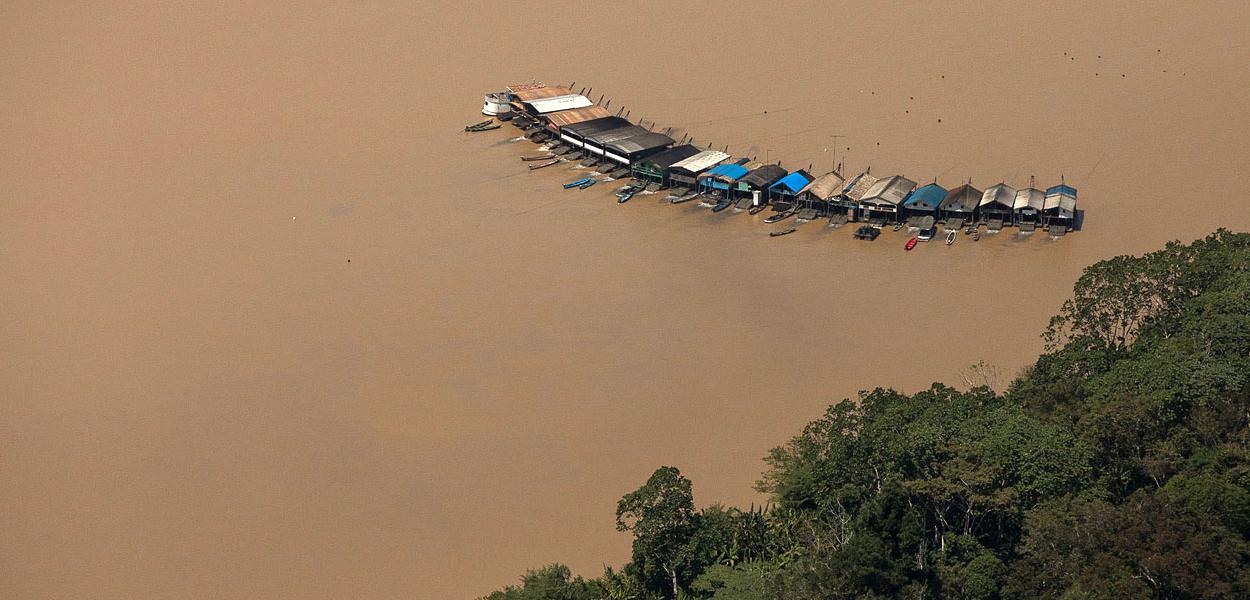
{"x": 570, "y": 120}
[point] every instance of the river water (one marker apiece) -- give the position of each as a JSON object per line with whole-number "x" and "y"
{"x": 273, "y": 326}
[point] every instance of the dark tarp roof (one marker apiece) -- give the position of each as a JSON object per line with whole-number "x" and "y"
{"x": 603, "y": 138}
{"x": 645, "y": 142}
{"x": 594, "y": 125}
{"x": 672, "y": 156}
{"x": 964, "y": 198}
{"x": 763, "y": 176}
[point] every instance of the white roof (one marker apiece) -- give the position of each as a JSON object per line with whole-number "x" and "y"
{"x": 1001, "y": 193}
{"x": 701, "y": 161}
{"x": 1029, "y": 198}
{"x": 571, "y": 101}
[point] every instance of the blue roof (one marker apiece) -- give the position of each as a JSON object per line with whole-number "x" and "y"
{"x": 1065, "y": 190}
{"x": 730, "y": 171}
{"x": 792, "y": 183}
{"x": 926, "y": 198}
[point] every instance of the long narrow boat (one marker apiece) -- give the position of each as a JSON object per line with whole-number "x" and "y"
{"x": 484, "y": 128}
{"x": 476, "y": 125}
{"x": 781, "y": 216}
{"x": 544, "y": 164}
{"x": 588, "y": 183}
{"x": 683, "y": 198}
{"x": 539, "y": 157}
{"x": 755, "y": 210}
{"x": 572, "y": 184}
{"x": 781, "y": 233}
{"x": 623, "y": 198}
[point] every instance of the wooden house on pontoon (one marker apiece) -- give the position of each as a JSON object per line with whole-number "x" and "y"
{"x": 855, "y": 191}
{"x": 1027, "y": 209}
{"x": 823, "y": 194}
{"x": 959, "y": 206}
{"x": 922, "y": 205}
{"x": 596, "y": 144}
{"x": 658, "y": 167}
{"x": 996, "y": 207}
{"x": 882, "y": 201}
{"x": 685, "y": 173}
{"x": 754, "y": 185}
{"x": 783, "y": 193}
{"x": 519, "y": 94}
{"x": 1059, "y": 209}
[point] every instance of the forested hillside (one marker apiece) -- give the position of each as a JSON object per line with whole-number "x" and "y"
{"x": 1116, "y": 466}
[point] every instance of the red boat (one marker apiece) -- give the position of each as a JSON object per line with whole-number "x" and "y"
{"x": 910, "y": 244}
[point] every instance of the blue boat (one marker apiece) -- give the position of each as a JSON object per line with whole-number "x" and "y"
{"x": 578, "y": 183}
{"x": 623, "y": 198}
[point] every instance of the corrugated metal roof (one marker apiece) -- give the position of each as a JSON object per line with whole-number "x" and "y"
{"x": 927, "y": 197}
{"x": 964, "y": 198}
{"x": 585, "y": 128}
{"x": 1029, "y": 197}
{"x": 860, "y": 185}
{"x": 538, "y": 93}
{"x": 701, "y": 161}
{"x": 1000, "y": 193}
{"x": 825, "y": 186}
{"x": 792, "y": 183}
{"x": 641, "y": 143}
{"x": 889, "y": 191}
{"x": 555, "y": 103}
{"x": 603, "y": 138}
{"x": 565, "y": 118}
{"x": 764, "y": 176}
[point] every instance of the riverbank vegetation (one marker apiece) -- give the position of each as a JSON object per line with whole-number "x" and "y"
{"x": 1116, "y": 466}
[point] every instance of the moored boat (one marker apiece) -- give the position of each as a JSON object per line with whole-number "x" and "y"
{"x": 589, "y": 182}
{"x": 910, "y": 244}
{"x": 950, "y": 237}
{"x": 781, "y": 216}
{"x": 544, "y": 164}
{"x": 722, "y": 205}
{"x": 781, "y": 233}
{"x": 578, "y": 183}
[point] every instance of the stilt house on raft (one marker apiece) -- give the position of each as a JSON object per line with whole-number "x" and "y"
{"x": 997, "y": 204}
{"x": 685, "y": 173}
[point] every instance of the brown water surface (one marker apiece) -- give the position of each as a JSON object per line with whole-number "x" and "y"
{"x": 273, "y": 327}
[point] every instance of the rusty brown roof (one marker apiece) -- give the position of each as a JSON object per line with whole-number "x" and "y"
{"x": 576, "y": 115}
{"x": 542, "y": 92}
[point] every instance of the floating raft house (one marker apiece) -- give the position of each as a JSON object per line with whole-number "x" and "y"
{"x": 959, "y": 206}
{"x": 783, "y": 193}
{"x": 997, "y": 204}
{"x": 823, "y": 193}
{"x": 882, "y": 201}
{"x": 637, "y": 147}
{"x": 657, "y": 167}
{"x": 686, "y": 172}
{"x": 1027, "y": 209}
{"x": 1059, "y": 209}
{"x": 923, "y": 203}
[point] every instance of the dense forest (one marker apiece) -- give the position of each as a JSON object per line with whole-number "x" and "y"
{"x": 1116, "y": 466}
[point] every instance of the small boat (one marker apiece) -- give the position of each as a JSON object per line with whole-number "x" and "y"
{"x": 544, "y": 164}
{"x": 781, "y": 216}
{"x": 484, "y": 128}
{"x": 722, "y": 205}
{"x": 898, "y": 226}
{"x": 623, "y": 198}
{"x": 755, "y": 210}
{"x": 683, "y": 198}
{"x": 910, "y": 244}
{"x": 477, "y": 125}
{"x": 538, "y": 157}
{"x": 976, "y": 236}
{"x": 572, "y": 184}
{"x": 589, "y": 182}
{"x": 950, "y": 237}
{"x": 781, "y": 233}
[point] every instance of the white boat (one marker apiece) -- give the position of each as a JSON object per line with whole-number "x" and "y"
{"x": 496, "y": 104}
{"x": 950, "y": 237}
